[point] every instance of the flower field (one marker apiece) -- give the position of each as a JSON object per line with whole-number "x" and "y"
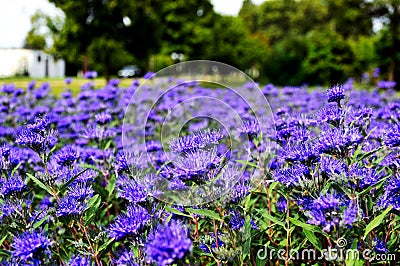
{"x": 108, "y": 177}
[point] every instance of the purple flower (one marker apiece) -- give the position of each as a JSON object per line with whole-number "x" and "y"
{"x": 98, "y": 133}
{"x": 336, "y": 141}
{"x": 127, "y": 258}
{"x": 382, "y": 84}
{"x": 67, "y": 155}
{"x": 153, "y": 145}
{"x": 10, "y": 208}
{"x": 251, "y": 129}
{"x": 364, "y": 177}
{"x": 103, "y": 118}
{"x": 8, "y": 88}
{"x": 281, "y": 204}
{"x": 380, "y": 246}
{"x": 304, "y": 153}
{"x": 125, "y": 161}
{"x": 114, "y": 82}
{"x": 70, "y": 206}
{"x": 330, "y": 167}
{"x": 392, "y": 136}
{"x": 129, "y": 223}
{"x": 37, "y": 135}
{"x": 31, "y": 85}
{"x": 78, "y": 260}
{"x": 130, "y": 190}
{"x": 292, "y": 176}
{"x": 350, "y": 214}
{"x": 32, "y": 140}
{"x": 391, "y": 195}
{"x": 90, "y": 74}
{"x": 198, "y": 140}
{"x": 30, "y": 246}
{"x": 335, "y": 94}
{"x": 149, "y": 75}
{"x": 331, "y": 115}
{"x": 168, "y": 243}
{"x": 324, "y": 212}
{"x": 68, "y": 81}
{"x": 376, "y": 72}
{"x": 80, "y": 191}
{"x": 12, "y": 185}
{"x": 210, "y": 243}
{"x": 236, "y": 222}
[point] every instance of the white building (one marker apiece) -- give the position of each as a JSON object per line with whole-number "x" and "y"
{"x": 34, "y": 63}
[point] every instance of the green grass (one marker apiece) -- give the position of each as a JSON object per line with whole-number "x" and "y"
{"x": 57, "y": 84}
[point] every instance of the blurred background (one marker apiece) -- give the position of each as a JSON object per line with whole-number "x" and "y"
{"x": 285, "y": 42}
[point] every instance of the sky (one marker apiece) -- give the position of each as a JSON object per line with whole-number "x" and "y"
{"x": 15, "y": 17}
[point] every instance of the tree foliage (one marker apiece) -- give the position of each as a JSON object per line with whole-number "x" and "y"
{"x": 289, "y": 41}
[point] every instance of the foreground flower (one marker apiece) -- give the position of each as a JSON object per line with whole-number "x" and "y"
{"x": 168, "y": 243}
{"x": 12, "y": 185}
{"x": 129, "y": 224}
{"x": 77, "y": 260}
{"x": 392, "y": 136}
{"x": 335, "y": 94}
{"x": 127, "y": 258}
{"x": 30, "y": 246}
{"x": 199, "y": 140}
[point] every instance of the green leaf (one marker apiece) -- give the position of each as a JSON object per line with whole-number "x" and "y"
{"x": 177, "y": 212}
{"x": 108, "y": 144}
{"x": 4, "y": 253}
{"x": 92, "y": 209}
{"x": 367, "y": 190}
{"x": 207, "y": 213}
{"x": 247, "y": 236}
{"x": 377, "y": 221}
{"x": 111, "y": 185}
{"x": 351, "y": 257}
{"x": 105, "y": 245}
{"x": 266, "y": 215}
{"x": 85, "y": 165}
{"x": 2, "y": 240}
{"x": 52, "y": 150}
{"x": 66, "y": 184}
{"x": 39, "y": 223}
{"x": 40, "y": 184}
{"x": 306, "y": 226}
{"x": 365, "y": 155}
{"x": 313, "y": 239}
{"x": 15, "y": 169}
{"x": 247, "y": 163}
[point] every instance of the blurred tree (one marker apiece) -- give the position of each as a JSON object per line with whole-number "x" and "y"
{"x": 250, "y": 15}
{"x": 110, "y": 54}
{"x": 329, "y": 58}
{"x": 280, "y": 19}
{"x": 388, "y": 13}
{"x": 284, "y": 66}
{"x": 132, "y": 26}
{"x": 187, "y": 27}
{"x": 36, "y": 37}
{"x": 34, "y": 41}
{"x": 350, "y": 18}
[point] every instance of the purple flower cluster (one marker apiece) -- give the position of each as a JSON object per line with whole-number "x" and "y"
{"x": 31, "y": 247}
{"x": 168, "y": 243}
{"x": 72, "y": 194}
